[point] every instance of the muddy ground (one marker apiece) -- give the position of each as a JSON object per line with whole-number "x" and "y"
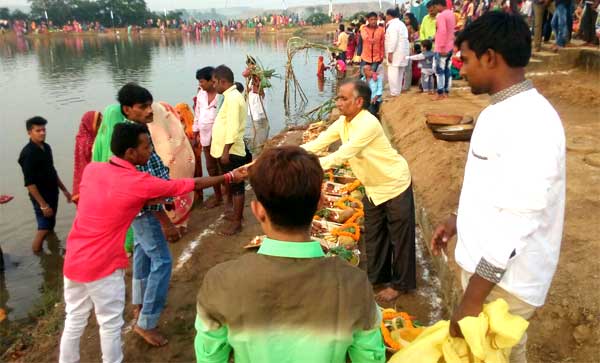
{"x": 564, "y": 330}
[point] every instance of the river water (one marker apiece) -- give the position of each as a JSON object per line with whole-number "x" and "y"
{"x": 60, "y": 78}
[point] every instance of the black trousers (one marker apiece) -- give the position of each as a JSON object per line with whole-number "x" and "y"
{"x": 390, "y": 241}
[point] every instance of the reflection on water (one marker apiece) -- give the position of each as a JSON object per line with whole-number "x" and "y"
{"x": 62, "y": 77}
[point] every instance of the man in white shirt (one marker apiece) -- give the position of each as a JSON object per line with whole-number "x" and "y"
{"x": 205, "y": 113}
{"x": 396, "y": 50}
{"x": 511, "y": 210}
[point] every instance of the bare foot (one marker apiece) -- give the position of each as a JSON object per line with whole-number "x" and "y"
{"x": 388, "y": 294}
{"x": 152, "y": 336}
{"x": 231, "y": 229}
{"x": 213, "y": 203}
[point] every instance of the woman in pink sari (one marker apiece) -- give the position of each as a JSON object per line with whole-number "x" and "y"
{"x": 173, "y": 147}
{"x": 84, "y": 142}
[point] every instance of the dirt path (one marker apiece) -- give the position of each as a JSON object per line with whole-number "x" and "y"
{"x": 566, "y": 328}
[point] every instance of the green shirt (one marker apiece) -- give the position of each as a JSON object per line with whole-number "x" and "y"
{"x": 287, "y": 303}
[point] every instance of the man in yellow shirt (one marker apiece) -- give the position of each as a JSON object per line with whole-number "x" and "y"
{"x": 428, "y": 23}
{"x": 228, "y": 145}
{"x": 389, "y": 205}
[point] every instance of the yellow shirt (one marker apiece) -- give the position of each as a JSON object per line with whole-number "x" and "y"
{"x": 374, "y": 161}
{"x": 342, "y": 43}
{"x": 230, "y": 125}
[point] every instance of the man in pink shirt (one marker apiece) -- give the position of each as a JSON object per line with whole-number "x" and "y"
{"x": 111, "y": 195}
{"x": 444, "y": 44}
{"x": 205, "y": 113}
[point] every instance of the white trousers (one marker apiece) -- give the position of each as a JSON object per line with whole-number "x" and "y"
{"x": 107, "y": 297}
{"x": 395, "y": 79}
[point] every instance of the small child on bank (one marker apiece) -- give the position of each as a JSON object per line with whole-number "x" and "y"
{"x": 425, "y": 59}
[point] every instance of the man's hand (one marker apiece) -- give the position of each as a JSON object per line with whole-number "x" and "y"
{"x": 47, "y": 211}
{"x": 476, "y": 293}
{"x": 240, "y": 174}
{"x": 375, "y": 100}
{"x": 442, "y": 235}
{"x": 224, "y": 158}
{"x": 466, "y": 308}
{"x": 172, "y": 233}
{"x": 68, "y": 196}
{"x": 390, "y": 58}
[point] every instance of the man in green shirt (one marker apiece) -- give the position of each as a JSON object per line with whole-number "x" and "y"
{"x": 428, "y": 24}
{"x": 288, "y": 302}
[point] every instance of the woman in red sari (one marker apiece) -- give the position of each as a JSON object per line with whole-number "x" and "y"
{"x": 84, "y": 142}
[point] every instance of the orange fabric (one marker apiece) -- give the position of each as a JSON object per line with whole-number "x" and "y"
{"x": 372, "y": 44}
{"x": 187, "y": 118}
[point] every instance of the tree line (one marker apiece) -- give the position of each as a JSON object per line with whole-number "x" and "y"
{"x": 60, "y": 12}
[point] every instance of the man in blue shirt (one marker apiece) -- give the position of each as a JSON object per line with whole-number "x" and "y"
{"x": 152, "y": 228}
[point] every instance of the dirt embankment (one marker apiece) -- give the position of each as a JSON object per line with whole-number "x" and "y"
{"x": 566, "y": 328}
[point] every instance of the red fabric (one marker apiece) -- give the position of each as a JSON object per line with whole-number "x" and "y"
{"x": 84, "y": 142}
{"x": 111, "y": 195}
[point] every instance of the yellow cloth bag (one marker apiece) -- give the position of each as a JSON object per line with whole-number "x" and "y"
{"x": 488, "y": 338}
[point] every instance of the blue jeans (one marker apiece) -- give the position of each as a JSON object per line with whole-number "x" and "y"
{"x": 442, "y": 72}
{"x": 559, "y": 24}
{"x": 151, "y": 269}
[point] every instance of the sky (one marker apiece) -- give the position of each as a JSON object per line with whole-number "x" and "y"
{"x": 207, "y": 4}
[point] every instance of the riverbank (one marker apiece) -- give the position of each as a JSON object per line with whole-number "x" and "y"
{"x": 193, "y": 256}
{"x": 566, "y": 328}
{"x": 267, "y": 30}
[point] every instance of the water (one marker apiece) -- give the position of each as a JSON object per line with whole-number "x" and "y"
{"x": 60, "y": 78}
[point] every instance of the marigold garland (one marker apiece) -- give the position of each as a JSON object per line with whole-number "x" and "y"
{"x": 349, "y": 188}
{"x": 387, "y": 335}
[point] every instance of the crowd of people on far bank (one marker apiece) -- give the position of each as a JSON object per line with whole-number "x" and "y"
{"x": 213, "y": 26}
{"x": 136, "y": 171}
{"x": 418, "y": 48}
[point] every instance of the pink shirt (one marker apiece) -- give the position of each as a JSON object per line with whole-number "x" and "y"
{"x": 444, "y": 35}
{"x": 111, "y": 195}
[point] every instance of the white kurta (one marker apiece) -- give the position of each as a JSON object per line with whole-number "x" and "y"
{"x": 512, "y": 202}
{"x": 396, "y": 42}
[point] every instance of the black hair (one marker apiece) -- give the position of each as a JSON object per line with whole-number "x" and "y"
{"x": 224, "y": 73}
{"x": 342, "y": 27}
{"x": 439, "y": 2}
{"x": 371, "y": 14}
{"x": 274, "y": 178}
{"x": 126, "y": 135}
{"x": 205, "y": 73}
{"x": 429, "y": 4}
{"x": 507, "y": 34}
{"x": 239, "y": 86}
{"x": 132, "y": 94}
{"x": 35, "y": 121}
{"x": 414, "y": 23}
{"x": 393, "y": 12}
{"x": 427, "y": 44}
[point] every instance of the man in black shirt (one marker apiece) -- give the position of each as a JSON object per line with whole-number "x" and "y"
{"x": 41, "y": 179}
